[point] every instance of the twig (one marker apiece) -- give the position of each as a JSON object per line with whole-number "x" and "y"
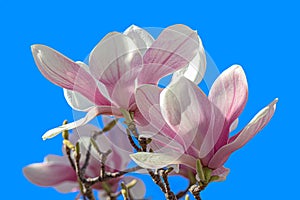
{"x": 65, "y": 135}
{"x": 110, "y": 175}
{"x": 157, "y": 180}
{"x": 85, "y": 189}
{"x": 68, "y": 152}
{"x": 169, "y": 194}
{"x": 133, "y": 144}
{"x": 87, "y": 159}
{"x": 195, "y": 190}
{"x": 183, "y": 193}
{"x": 143, "y": 142}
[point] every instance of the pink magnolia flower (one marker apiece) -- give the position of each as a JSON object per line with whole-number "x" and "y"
{"x": 191, "y": 125}
{"x": 57, "y": 172}
{"x": 117, "y": 64}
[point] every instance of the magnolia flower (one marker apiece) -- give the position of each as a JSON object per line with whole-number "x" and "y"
{"x": 117, "y": 64}
{"x": 57, "y": 172}
{"x": 193, "y": 126}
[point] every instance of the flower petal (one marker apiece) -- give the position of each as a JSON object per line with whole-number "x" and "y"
{"x": 92, "y": 113}
{"x": 147, "y": 100}
{"x": 142, "y": 39}
{"x": 116, "y": 62}
{"x": 77, "y": 101}
{"x": 189, "y": 112}
{"x": 56, "y": 159}
{"x": 260, "y": 120}
{"x": 162, "y": 144}
{"x": 159, "y": 160}
{"x": 229, "y": 93}
{"x": 196, "y": 68}
{"x": 67, "y": 187}
{"x": 222, "y": 172}
{"x": 234, "y": 125}
{"x": 120, "y": 146}
{"x": 174, "y": 48}
{"x": 49, "y": 174}
{"x": 64, "y": 72}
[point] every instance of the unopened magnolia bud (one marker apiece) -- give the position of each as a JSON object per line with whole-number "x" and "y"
{"x": 106, "y": 187}
{"x": 126, "y": 115}
{"x": 124, "y": 190}
{"x": 131, "y": 184}
{"x": 94, "y": 144}
{"x": 77, "y": 149}
{"x": 110, "y": 125}
{"x": 169, "y": 170}
{"x": 187, "y": 197}
{"x": 65, "y": 133}
{"x": 69, "y": 144}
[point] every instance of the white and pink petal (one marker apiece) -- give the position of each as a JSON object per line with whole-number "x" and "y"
{"x": 259, "y": 121}
{"x": 49, "y": 173}
{"x": 142, "y": 39}
{"x": 66, "y": 73}
{"x": 147, "y": 100}
{"x": 149, "y": 160}
{"x": 188, "y": 111}
{"x": 195, "y": 70}
{"x": 116, "y": 62}
{"x": 174, "y": 49}
{"x": 229, "y": 94}
{"x": 91, "y": 114}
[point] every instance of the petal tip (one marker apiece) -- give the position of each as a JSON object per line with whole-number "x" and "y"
{"x": 274, "y": 103}
{"x": 132, "y": 27}
{"x": 238, "y": 68}
{"x": 44, "y": 137}
{"x": 49, "y": 134}
{"x": 35, "y": 49}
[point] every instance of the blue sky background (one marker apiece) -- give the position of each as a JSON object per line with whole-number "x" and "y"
{"x": 262, "y": 36}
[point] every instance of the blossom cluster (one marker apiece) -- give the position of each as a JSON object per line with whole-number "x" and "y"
{"x": 177, "y": 129}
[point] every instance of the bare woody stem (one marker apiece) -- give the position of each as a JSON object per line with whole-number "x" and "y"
{"x": 157, "y": 180}
{"x": 195, "y": 190}
{"x": 183, "y": 193}
{"x": 142, "y": 147}
{"x": 86, "y": 190}
{"x": 85, "y": 183}
{"x": 169, "y": 194}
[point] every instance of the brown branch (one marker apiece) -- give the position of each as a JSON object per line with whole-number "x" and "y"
{"x": 87, "y": 159}
{"x": 183, "y": 193}
{"x": 133, "y": 144}
{"x": 195, "y": 190}
{"x": 110, "y": 175}
{"x": 157, "y": 180}
{"x": 168, "y": 192}
{"x": 68, "y": 152}
{"x": 85, "y": 189}
{"x": 143, "y": 142}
